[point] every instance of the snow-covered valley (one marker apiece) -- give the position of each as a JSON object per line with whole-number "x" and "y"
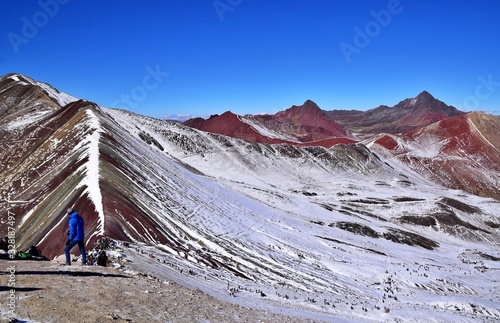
{"x": 338, "y": 236}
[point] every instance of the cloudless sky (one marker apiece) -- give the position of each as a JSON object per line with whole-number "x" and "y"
{"x": 202, "y": 57}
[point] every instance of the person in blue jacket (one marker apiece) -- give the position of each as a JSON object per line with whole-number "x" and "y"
{"x": 76, "y": 236}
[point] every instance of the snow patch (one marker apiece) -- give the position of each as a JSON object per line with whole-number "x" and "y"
{"x": 15, "y": 78}
{"x": 26, "y": 120}
{"x": 425, "y": 146}
{"x": 263, "y": 130}
{"x": 92, "y": 174}
{"x": 61, "y": 98}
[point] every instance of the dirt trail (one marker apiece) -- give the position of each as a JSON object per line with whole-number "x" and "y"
{"x": 49, "y": 292}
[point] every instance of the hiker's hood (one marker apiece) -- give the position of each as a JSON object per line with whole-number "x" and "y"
{"x": 74, "y": 215}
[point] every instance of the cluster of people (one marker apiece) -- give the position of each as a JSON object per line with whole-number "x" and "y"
{"x": 97, "y": 255}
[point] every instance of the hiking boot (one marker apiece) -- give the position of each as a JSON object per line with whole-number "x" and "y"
{"x": 66, "y": 264}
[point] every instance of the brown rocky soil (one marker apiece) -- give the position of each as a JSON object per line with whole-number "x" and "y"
{"x": 49, "y": 292}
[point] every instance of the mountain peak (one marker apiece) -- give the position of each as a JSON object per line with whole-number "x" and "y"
{"x": 15, "y": 79}
{"x": 425, "y": 103}
{"x": 408, "y": 115}
{"x": 307, "y": 119}
{"x": 423, "y": 98}
{"x": 309, "y": 108}
{"x": 310, "y": 104}
{"x": 424, "y": 93}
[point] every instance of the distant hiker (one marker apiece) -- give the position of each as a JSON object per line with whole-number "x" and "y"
{"x": 76, "y": 236}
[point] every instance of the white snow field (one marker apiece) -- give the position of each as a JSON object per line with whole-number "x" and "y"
{"x": 330, "y": 237}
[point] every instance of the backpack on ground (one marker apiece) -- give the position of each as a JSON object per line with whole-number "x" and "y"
{"x": 35, "y": 251}
{"x": 23, "y": 255}
{"x": 102, "y": 259}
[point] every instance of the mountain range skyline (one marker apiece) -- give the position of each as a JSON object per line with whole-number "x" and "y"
{"x": 423, "y": 130}
{"x": 187, "y": 116}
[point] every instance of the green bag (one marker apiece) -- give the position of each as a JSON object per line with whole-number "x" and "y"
{"x": 23, "y": 255}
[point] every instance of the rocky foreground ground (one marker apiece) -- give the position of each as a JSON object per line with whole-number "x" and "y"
{"x": 46, "y": 291}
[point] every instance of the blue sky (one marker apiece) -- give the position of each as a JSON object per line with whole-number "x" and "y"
{"x": 202, "y": 57}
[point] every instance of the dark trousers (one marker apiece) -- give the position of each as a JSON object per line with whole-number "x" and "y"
{"x": 81, "y": 246}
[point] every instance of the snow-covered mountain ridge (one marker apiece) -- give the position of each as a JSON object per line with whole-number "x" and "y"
{"x": 456, "y": 149}
{"x": 325, "y": 233}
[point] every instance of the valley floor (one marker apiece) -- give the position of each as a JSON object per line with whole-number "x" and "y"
{"x": 46, "y": 291}
{"x": 141, "y": 284}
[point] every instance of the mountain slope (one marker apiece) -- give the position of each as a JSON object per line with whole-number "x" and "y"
{"x": 351, "y": 206}
{"x": 460, "y": 153}
{"x": 53, "y": 164}
{"x": 408, "y": 115}
{"x": 306, "y": 124}
{"x": 313, "y": 231}
{"x": 230, "y": 124}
